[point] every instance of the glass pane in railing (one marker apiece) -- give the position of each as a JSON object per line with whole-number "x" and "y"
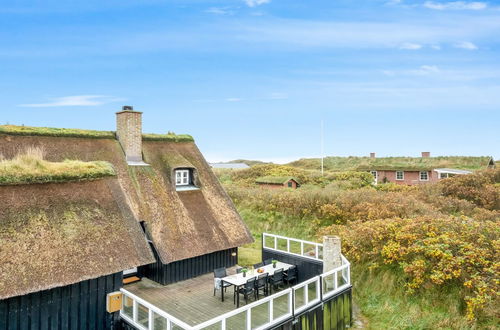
{"x": 300, "y": 299}
{"x": 260, "y": 315}
{"x": 281, "y": 306}
{"x": 128, "y": 305}
{"x": 159, "y": 322}
{"x": 177, "y": 327}
{"x": 312, "y": 291}
{"x": 237, "y": 322}
{"x": 282, "y": 244}
{"x": 269, "y": 242}
{"x": 143, "y": 315}
{"x": 320, "y": 252}
{"x": 328, "y": 283}
{"x": 309, "y": 250}
{"x": 215, "y": 326}
{"x": 295, "y": 247}
{"x": 340, "y": 279}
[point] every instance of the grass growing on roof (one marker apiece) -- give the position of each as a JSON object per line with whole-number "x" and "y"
{"x": 30, "y": 167}
{"x": 169, "y": 137}
{"x": 56, "y": 132}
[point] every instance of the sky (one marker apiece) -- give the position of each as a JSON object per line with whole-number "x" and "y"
{"x": 255, "y": 79}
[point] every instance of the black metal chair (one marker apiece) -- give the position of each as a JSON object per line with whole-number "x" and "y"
{"x": 291, "y": 275}
{"x": 261, "y": 283}
{"x": 218, "y": 274}
{"x": 247, "y": 289}
{"x": 268, "y": 261}
{"x": 276, "y": 279}
{"x": 258, "y": 265}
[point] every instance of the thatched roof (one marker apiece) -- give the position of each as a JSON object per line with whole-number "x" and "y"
{"x": 425, "y": 163}
{"x": 275, "y": 179}
{"x": 53, "y": 235}
{"x": 181, "y": 224}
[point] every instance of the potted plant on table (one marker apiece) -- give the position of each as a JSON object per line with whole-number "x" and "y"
{"x": 244, "y": 272}
{"x": 274, "y": 262}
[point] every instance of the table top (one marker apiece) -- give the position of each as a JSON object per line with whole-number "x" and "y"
{"x": 238, "y": 279}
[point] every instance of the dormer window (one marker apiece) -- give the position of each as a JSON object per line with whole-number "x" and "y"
{"x": 182, "y": 178}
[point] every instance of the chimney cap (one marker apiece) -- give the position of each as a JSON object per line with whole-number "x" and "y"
{"x": 128, "y": 108}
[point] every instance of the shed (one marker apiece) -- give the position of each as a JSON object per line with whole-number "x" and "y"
{"x": 278, "y": 182}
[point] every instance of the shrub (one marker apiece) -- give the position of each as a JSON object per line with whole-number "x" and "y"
{"x": 431, "y": 252}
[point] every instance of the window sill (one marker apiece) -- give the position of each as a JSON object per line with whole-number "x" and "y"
{"x": 186, "y": 188}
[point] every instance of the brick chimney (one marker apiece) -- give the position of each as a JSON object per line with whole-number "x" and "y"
{"x": 372, "y": 155}
{"x": 129, "y": 133}
{"x": 426, "y": 154}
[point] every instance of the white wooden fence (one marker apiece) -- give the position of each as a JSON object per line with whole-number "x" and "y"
{"x": 301, "y": 297}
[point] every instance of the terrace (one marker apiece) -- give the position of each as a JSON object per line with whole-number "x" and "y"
{"x": 191, "y": 304}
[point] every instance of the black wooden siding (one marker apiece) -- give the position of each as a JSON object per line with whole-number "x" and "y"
{"x": 188, "y": 268}
{"x": 334, "y": 314}
{"x": 77, "y": 306}
{"x": 307, "y": 268}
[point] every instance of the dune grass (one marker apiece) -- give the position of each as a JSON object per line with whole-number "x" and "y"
{"x": 29, "y": 167}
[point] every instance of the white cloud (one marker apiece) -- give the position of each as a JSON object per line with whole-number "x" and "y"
{"x": 278, "y": 96}
{"x": 219, "y": 11}
{"x": 466, "y": 45}
{"x": 425, "y": 70}
{"x": 410, "y": 46}
{"x": 255, "y": 3}
{"x": 72, "y": 101}
{"x": 456, "y": 5}
{"x": 436, "y": 47}
{"x": 234, "y": 99}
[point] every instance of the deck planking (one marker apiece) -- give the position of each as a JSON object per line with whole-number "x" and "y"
{"x": 192, "y": 301}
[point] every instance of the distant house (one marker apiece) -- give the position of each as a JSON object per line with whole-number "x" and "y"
{"x": 412, "y": 171}
{"x": 273, "y": 182}
{"x": 66, "y": 245}
{"x": 232, "y": 166}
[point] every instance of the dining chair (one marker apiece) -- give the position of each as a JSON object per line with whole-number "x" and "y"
{"x": 276, "y": 279}
{"x": 247, "y": 289}
{"x": 258, "y": 265}
{"x": 291, "y": 275}
{"x": 218, "y": 274}
{"x": 261, "y": 284}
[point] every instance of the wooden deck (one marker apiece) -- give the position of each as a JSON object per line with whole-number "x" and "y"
{"x": 193, "y": 302}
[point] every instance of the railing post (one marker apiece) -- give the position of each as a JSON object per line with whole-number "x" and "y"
{"x": 150, "y": 319}
{"x": 301, "y": 248}
{"x": 288, "y": 245}
{"x": 134, "y": 310}
{"x": 271, "y": 304}
{"x": 223, "y": 324}
{"x": 169, "y": 324}
{"x": 249, "y": 319}
{"x": 306, "y": 293}
{"x": 317, "y": 251}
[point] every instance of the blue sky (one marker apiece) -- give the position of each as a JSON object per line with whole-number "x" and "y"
{"x": 254, "y": 78}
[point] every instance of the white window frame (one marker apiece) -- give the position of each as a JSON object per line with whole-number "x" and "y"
{"x": 375, "y": 175}
{"x": 426, "y": 175}
{"x": 182, "y": 177}
{"x": 402, "y": 175}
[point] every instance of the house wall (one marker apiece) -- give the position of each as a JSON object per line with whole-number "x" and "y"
{"x": 306, "y": 267}
{"x": 336, "y": 313}
{"x": 188, "y": 268}
{"x": 410, "y": 177}
{"x": 270, "y": 186}
{"x": 78, "y": 306}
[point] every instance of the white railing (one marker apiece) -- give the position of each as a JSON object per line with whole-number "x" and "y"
{"x": 298, "y": 247}
{"x": 146, "y": 316}
{"x": 244, "y": 314}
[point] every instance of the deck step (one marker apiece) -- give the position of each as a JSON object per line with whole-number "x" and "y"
{"x": 131, "y": 279}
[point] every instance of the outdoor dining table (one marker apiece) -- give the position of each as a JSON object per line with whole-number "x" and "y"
{"x": 238, "y": 279}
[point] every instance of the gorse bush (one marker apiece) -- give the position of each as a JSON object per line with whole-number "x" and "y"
{"x": 29, "y": 167}
{"x": 432, "y": 251}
